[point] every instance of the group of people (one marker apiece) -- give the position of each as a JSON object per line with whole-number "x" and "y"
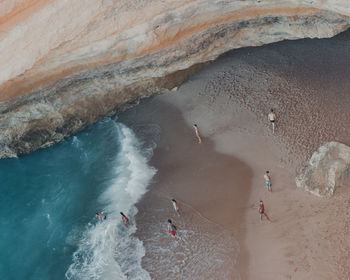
{"x": 272, "y": 119}
{"x": 171, "y": 225}
{"x": 172, "y": 228}
{"x": 125, "y": 219}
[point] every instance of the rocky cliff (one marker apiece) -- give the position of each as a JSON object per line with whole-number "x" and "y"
{"x": 66, "y": 64}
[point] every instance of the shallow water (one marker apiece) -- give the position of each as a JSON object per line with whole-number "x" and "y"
{"x": 200, "y": 250}
{"x": 48, "y": 204}
{"x": 49, "y": 229}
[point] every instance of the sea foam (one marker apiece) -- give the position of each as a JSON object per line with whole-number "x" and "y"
{"x": 107, "y": 249}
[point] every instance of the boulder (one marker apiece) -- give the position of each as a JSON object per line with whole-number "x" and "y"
{"x": 327, "y": 168}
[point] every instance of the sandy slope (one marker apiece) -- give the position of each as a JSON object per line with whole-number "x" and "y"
{"x": 307, "y": 83}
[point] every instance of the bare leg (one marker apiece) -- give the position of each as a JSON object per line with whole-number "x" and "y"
{"x": 267, "y": 217}
{"x": 199, "y": 139}
{"x": 273, "y": 127}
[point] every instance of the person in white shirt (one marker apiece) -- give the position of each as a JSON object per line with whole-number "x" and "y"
{"x": 272, "y": 119}
{"x": 196, "y": 130}
{"x": 176, "y": 206}
{"x": 268, "y": 180}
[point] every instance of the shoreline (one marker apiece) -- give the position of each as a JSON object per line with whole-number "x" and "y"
{"x": 175, "y": 160}
{"x": 239, "y": 207}
{"x": 304, "y": 241}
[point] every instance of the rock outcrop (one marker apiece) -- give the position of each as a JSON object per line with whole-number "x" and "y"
{"x": 327, "y": 168}
{"x": 67, "y": 64}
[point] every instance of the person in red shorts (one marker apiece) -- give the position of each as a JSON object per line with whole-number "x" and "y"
{"x": 172, "y": 227}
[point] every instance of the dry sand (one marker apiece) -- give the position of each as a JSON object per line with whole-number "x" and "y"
{"x": 218, "y": 183}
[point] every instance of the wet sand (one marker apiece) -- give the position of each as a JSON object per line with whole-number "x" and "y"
{"x": 218, "y": 183}
{"x": 190, "y": 172}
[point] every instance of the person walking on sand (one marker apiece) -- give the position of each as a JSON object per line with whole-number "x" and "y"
{"x": 196, "y": 130}
{"x": 272, "y": 119}
{"x": 101, "y": 216}
{"x": 268, "y": 180}
{"x": 262, "y": 211}
{"x": 172, "y": 227}
{"x": 176, "y": 206}
{"x": 125, "y": 219}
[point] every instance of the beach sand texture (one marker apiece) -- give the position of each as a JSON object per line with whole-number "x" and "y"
{"x": 219, "y": 182}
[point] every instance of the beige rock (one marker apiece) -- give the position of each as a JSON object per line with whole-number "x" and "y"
{"x": 327, "y": 168}
{"x": 42, "y": 41}
{"x": 67, "y": 64}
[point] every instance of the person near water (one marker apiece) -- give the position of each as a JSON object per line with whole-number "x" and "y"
{"x": 262, "y": 211}
{"x": 125, "y": 219}
{"x": 176, "y": 206}
{"x": 172, "y": 227}
{"x": 101, "y": 216}
{"x": 272, "y": 119}
{"x": 196, "y": 130}
{"x": 268, "y": 180}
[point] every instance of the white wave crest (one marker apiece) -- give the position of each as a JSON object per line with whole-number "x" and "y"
{"x": 108, "y": 250}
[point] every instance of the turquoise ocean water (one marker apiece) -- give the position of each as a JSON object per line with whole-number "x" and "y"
{"x": 48, "y": 202}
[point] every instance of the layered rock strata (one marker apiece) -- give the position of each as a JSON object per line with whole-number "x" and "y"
{"x": 328, "y": 167}
{"x": 67, "y": 64}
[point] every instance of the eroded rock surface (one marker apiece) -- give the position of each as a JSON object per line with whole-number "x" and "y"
{"x": 67, "y": 64}
{"x": 327, "y": 169}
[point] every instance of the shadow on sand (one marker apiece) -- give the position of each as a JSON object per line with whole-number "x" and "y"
{"x": 214, "y": 184}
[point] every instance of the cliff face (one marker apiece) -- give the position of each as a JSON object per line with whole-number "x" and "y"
{"x": 66, "y": 64}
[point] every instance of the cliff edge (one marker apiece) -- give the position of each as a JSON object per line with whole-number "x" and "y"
{"x": 67, "y": 64}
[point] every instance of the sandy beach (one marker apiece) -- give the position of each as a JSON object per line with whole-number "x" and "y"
{"x": 219, "y": 182}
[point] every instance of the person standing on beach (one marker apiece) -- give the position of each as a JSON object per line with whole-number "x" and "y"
{"x": 272, "y": 119}
{"x": 196, "y": 130}
{"x": 125, "y": 219}
{"x": 262, "y": 211}
{"x": 268, "y": 180}
{"x": 176, "y": 206}
{"x": 172, "y": 227}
